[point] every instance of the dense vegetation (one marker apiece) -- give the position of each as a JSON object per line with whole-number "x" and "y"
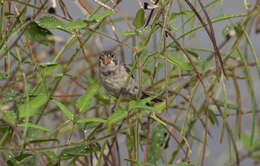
{"x": 53, "y": 111}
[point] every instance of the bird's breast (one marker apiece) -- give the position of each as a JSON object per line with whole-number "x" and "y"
{"x": 115, "y": 81}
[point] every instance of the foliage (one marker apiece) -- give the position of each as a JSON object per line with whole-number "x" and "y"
{"x": 53, "y": 111}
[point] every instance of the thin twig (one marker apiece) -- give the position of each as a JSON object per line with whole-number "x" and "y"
{"x": 104, "y": 5}
{"x": 39, "y": 158}
{"x": 174, "y": 137}
{"x": 147, "y": 140}
{"x": 84, "y": 6}
{"x": 209, "y": 33}
{"x": 140, "y": 3}
{"x": 124, "y": 15}
{"x": 250, "y": 153}
{"x": 238, "y": 98}
{"x": 150, "y": 15}
{"x": 213, "y": 39}
{"x": 229, "y": 130}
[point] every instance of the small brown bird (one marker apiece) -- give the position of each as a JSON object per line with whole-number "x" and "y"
{"x": 113, "y": 75}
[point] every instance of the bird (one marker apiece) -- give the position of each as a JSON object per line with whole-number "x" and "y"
{"x": 113, "y": 75}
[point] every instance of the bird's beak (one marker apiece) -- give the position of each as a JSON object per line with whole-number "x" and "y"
{"x": 106, "y": 60}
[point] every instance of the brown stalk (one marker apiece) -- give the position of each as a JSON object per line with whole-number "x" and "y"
{"x": 84, "y": 6}
{"x": 2, "y": 162}
{"x": 78, "y": 83}
{"x": 109, "y": 37}
{"x": 210, "y": 33}
{"x": 39, "y": 158}
{"x": 117, "y": 38}
{"x": 103, "y": 4}
{"x": 229, "y": 130}
{"x": 25, "y": 3}
{"x": 82, "y": 162}
{"x": 118, "y": 153}
{"x": 124, "y": 15}
{"x": 64, "y": 9}
{"x": 22, "y": 31}
{"x": 16, "y": 41}
{"x": 169, "y": 132}
{"x": 165, "y": 71}
{"x": 238, "y": 98}
{"x": 192, "y": 106}
{"x": 203, "y": 85}
{"x": 213, "y": 39}
{"x": 150, "y": 15}
{"x": 188, "y": 57}
{"x": 208, "y": 72}
{"x": 219, "y": 47}
{"x": 147, "y": 140}
{"x": 66, "y": 95}
{"x": 250, "y": 153}
{"x": 243, "y": 113}
{"x": 190, "y": 60}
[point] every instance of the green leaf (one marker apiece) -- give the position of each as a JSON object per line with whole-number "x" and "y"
{"x": 139, "y": 19}
{"x": 46, "y": 64}
{"x": 127, "y": 32}
{"x": 49, "y": 67}
{"x": 132, "y": 32}
{"x": 178, "y": 62}
{"x": 54, "y": 23}
{"x": 212, "y": 117}
{"x": 9, "y": 95}
{"x": 3, "y": 75}
{"x": 158, "y": 120}
{"x": 64, "y": 110}
{"x": 100, "y": 16}
{"x": 7, "y": 14}
{"x": 36, "y": 33}
{"x": 84, "y": 102}
{"x": 193, "y": 53}
{"x": 159, "y": 107}
{"x": 78, "y": 24}
{"x": 22, "y": 156}
{"x": 245, "y": 139}
{"x": 183, "y": 164}
{"x": 85, "y": 120}
{"x": 44, "y": 140}
{"x": 175, "y": 15}
{"x": 157, "y": 140}
{"x": 77, "y": 151}
{"x": 34, "y": 126}
{"x": 135, "y": 162}
{"x": 50, "y": 154}
{"x": 3, "y": 126}
{"x": 10, "y": 115}
{"x": 49, "y": 22}
{"x": 141, "y": 104}
{"x": 238, "y": 28}
{"x": 173, "y": 28}
{"x": 229, "y": 106}
{"x": 227, "y": 29}
{"x": 144, "y": 30}
{"x": 117, "y": 116}
{"x": 33, "y": 105}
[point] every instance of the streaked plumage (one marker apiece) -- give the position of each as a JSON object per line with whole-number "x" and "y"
{"x": 113, "y": 75}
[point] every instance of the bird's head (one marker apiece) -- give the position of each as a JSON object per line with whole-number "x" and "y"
{"x": 108, "y": 59}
